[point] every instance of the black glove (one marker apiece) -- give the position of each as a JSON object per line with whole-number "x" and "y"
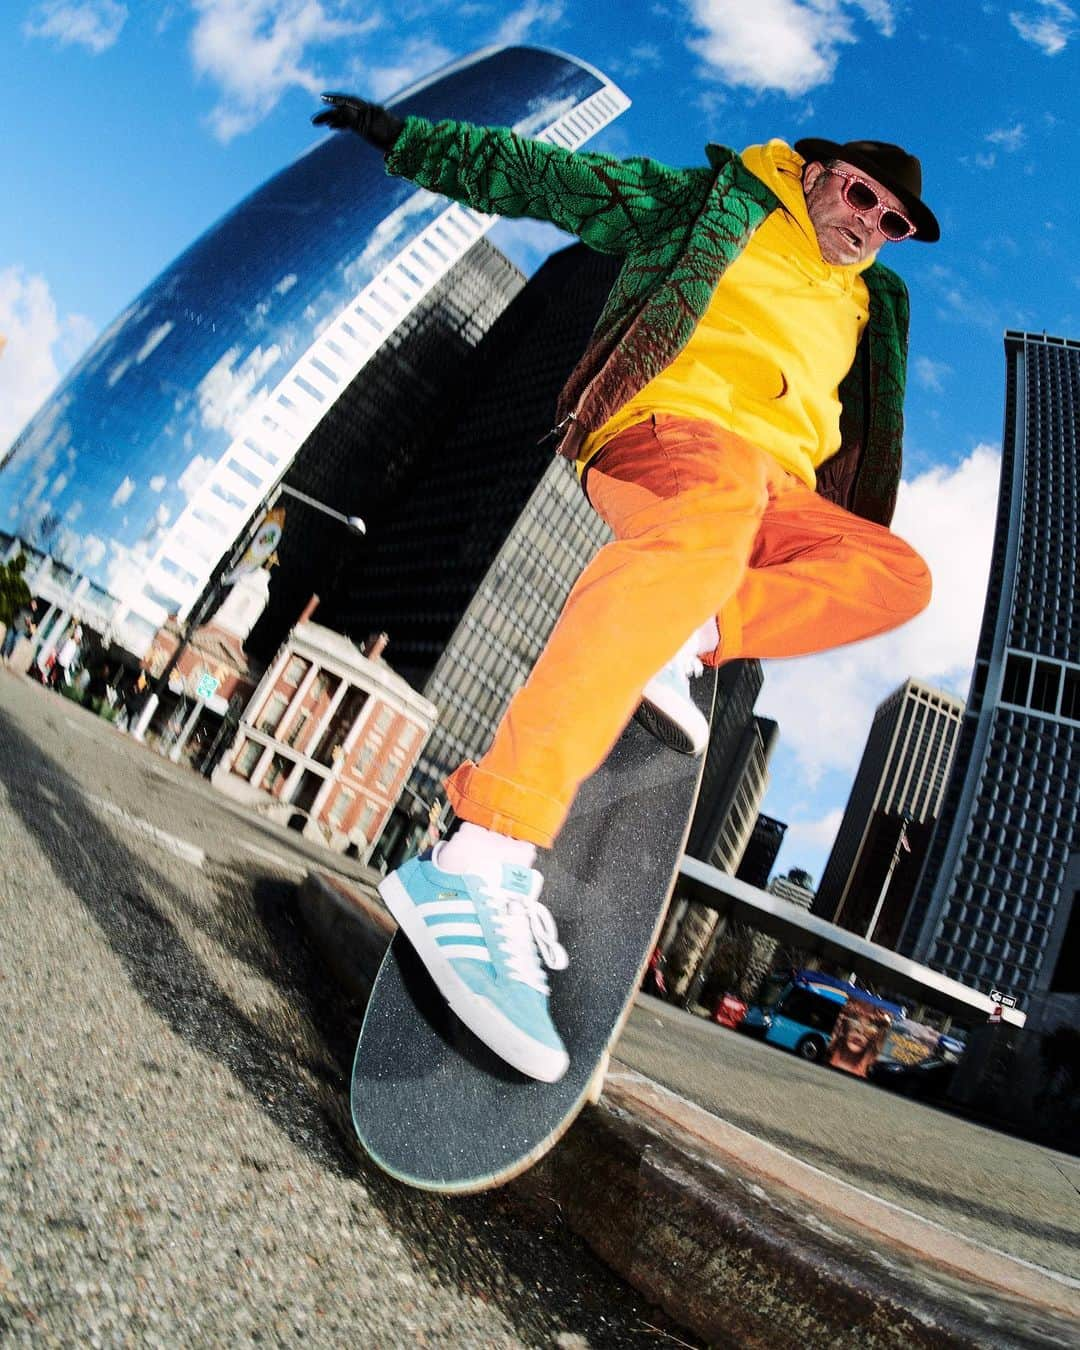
{"x": 348, "y": 113}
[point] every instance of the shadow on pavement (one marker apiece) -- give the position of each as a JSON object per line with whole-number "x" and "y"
{"x": 295, "y": 1066}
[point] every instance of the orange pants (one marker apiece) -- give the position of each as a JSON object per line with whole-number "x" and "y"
{"x": 705, "y": 524}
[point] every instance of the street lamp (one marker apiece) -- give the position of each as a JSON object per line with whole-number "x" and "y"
{"x": 217, "y": 583}
{"x": 351, "y": 523}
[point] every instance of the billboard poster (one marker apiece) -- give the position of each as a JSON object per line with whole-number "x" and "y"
{"x": 858, "y": 1037}
{"x": 909, "y": 1042}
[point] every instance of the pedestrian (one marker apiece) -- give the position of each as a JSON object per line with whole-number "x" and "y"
{"x": 21, "y": 626}
{"x": 67, "y": 655}
{"x": 736, "y": 419}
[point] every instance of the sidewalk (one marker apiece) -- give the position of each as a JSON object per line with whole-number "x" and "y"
{"x": 740, "y": 1241}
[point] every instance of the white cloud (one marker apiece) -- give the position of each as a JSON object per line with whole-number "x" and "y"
{"x": 94, "y": 24}
{"x": 157, "y": 483}
{"x": 1049, "y": 27}
{"x": 123, "y": 492}
{"x": 418, "y": 58}
{"x": 1010, "y": 139}
{"x": 931, "y": 374}
{"x": 788, "y": 45}
{"x": 154, "y": 340}
{"x": 815, "y": 834}
{"x": 255, "y": 50}
{"x": 40, "y": 346}
{"x": 825, "y": 704}
{"x": 517, "y": 26}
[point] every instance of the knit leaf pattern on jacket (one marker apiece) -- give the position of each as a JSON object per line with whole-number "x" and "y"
{"x": 677, "y": 230}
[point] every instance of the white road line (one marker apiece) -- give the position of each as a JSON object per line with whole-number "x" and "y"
{"x": 180, "y": 847}
{"x": 287, "y": 863}
{"x": 300, "y": 868}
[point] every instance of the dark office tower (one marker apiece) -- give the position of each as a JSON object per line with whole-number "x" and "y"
{"x": 993, "y": 883}
{"x": 158, "y": 449}
{"x": 902, "y": 776}
{"x": 761, "y": 852}
{"x": 468, "y": 566}
{"x": 731, "y": 754}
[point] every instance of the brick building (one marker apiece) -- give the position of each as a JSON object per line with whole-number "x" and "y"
{"x": 328, "y": 739}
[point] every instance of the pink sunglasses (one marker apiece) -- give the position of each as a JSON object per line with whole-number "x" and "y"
{"x": 862, "y": 197}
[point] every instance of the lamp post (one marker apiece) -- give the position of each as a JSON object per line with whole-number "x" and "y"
{"x": 211, "y": 593}
{"x": 352, "y": 523}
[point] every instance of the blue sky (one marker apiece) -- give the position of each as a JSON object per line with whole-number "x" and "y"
{"x": 129, "y": 128}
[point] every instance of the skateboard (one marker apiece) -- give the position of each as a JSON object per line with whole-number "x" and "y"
{"x": 434, "y": 1107}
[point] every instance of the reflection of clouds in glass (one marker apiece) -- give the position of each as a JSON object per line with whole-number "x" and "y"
{"x": 118, "y": 372}
{"x": 385, "y": 239}
{"x": 123, "y": 492}
{"x": 59, "y": 483}
{"x": 162, "y": 514}
{"x": 72, "y": 514}
{"x": 158, "y": 482}
{"x": 154, "y": 340}
{"x": 102, "y": 349}
{"x": 541, "y": 112}
{"x": 47, "y": 433}
{"x": 285, "y": 285}
{"x": 225, "y": 394}
{"x": 195, "y": 475}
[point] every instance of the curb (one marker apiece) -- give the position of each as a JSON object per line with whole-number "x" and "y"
{"x": 737, "y": 1241}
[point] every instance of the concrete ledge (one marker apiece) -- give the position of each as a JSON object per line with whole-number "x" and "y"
{"x": 739, "y": 1242}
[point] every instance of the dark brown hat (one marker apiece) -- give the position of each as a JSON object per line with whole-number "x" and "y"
{"x": 889, "y": 165}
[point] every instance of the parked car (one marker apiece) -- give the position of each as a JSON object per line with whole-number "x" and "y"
{"x": 928, "y": 1080}
{"x": 729, "y": 1011}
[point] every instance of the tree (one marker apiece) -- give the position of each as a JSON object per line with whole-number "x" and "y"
{"x": 14, "y": 592}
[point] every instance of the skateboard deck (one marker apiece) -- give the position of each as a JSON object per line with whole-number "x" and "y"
{"x": 432, "y": 1105}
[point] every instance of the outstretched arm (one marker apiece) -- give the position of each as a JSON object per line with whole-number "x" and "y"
{"x": 609, "y": 203}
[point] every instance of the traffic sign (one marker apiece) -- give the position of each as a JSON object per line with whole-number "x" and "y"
{"x": 1006, "y": 1000}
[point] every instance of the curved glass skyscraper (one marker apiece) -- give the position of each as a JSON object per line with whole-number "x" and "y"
{"x": 154, "y": 454}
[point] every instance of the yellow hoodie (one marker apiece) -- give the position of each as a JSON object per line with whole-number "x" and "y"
{"x": 778, "y": 337}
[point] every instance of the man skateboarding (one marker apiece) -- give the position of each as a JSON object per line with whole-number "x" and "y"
{"x": 736, "y": 419}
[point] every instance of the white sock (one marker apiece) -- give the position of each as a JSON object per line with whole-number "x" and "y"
{"x": 474, "y": 849}
{"x": 707, "y": 637}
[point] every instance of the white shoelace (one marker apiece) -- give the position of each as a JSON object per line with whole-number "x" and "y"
{"x": 528, "y": 937}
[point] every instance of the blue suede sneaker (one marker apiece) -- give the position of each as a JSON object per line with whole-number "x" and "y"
{"x": 668, "y": 710}
{"x": 482, "y": 939}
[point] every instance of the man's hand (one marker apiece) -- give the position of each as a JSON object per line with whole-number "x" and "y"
{"x": 369, "y": 120}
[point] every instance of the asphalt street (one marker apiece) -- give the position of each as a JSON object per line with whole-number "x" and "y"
{"x": 1004, "y": 1192}
{"x": 176, "y": 1160}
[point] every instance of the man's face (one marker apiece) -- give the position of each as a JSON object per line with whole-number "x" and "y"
{"x": 844, "y": 235}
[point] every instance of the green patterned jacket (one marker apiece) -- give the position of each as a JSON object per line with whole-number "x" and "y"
{"x": 677, "y": 230}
